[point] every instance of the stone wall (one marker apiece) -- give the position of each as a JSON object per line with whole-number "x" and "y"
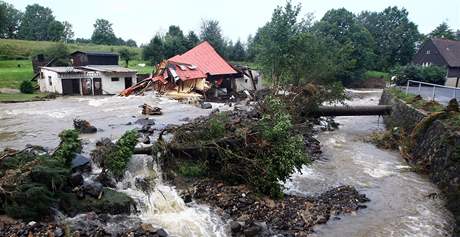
{"x": 435, "y": 149}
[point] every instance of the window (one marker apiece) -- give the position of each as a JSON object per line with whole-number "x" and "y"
{"x": 50, "y": 81}
{"x": 115, "y": 79}
{"x": 428, "y": 52}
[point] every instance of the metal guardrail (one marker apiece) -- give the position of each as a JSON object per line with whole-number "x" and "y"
{"x": 433, "y": 93}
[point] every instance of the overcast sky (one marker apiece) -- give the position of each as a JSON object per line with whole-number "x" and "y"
{"x": 141, "y": 19}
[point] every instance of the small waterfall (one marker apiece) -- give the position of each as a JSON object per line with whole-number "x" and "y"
{"x": 161, "y": 205}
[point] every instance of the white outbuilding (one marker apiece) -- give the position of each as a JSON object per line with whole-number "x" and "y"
{"x": 86, "y": 80}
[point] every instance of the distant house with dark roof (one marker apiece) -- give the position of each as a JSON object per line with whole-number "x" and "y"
{"x": 91, "y": 73}
{"x": 83, "y": 58}
{"x": 441, "y": 52}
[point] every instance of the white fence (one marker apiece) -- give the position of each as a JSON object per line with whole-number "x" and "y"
{"x": 432, "y": 91}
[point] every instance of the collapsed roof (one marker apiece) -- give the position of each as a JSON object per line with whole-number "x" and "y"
{"x": 206, "y": 58}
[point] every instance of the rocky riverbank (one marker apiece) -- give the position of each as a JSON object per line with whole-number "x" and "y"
{"x": 256, "y": 215}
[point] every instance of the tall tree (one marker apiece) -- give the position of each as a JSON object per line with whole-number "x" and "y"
{"x": 103, "y": 33}
{"x": 395, "y": 35}
{"x": 192, "y": 39}
{"x": 174, "y": 42}
{"x": 238, "y": 52}
{"x": 211, "y": 32}
{"x": 342, "y": 26}
{"x": 68, "y": 32}
{"x": 443, "y": 31}
{"x": 154, "y": 50}
{"x": 38, "y": 23}
{"x": 10, "y": 18}
{"x": 131, "y": 43}
{"x": 272, "y": 42}
{"x": 126, "y": 55}
{"x": 55, "y": 31}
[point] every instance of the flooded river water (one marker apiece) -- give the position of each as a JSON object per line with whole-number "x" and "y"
{"x": 399, "y": 204}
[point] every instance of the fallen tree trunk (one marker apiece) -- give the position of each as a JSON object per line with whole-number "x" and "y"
{"x": 351, "y": 110}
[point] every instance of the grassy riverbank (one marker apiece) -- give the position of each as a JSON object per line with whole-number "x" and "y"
{"x": 21, "y": 97}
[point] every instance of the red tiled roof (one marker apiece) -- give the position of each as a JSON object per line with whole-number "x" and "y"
{"x": 206, "y": 58}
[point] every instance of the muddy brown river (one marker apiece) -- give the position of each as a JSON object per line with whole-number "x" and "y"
{"x": 399, "y": 203}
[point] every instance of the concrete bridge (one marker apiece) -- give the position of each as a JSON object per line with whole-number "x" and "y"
{"x": 352, "y": 110}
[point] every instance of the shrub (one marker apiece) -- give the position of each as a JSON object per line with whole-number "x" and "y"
{"x": 29, "y": 201}
{"x": 70, "y": 144}
{"x": 116, "y": 161}
{"x": 26, "y": 87}
{"x": 431, "y": 74}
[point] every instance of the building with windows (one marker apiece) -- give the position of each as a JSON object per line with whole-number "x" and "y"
{"x": 444, "y": 53}
{"x": 102, "y": 78}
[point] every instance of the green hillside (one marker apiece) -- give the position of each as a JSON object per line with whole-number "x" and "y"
{"x": 22, "y": 49}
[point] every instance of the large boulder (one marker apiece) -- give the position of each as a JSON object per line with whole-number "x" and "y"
{"x": 80, "y": 163}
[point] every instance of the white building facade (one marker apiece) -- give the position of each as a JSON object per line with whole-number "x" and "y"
{"x": 86, "y": 80}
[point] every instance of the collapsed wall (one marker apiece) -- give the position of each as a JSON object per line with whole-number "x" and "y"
{"x": 430, "y": 145}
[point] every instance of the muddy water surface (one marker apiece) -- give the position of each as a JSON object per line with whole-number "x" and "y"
{"x": 399, "y": 204}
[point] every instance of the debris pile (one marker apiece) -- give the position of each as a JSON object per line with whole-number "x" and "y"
{"x": 263, "y": 216}
{"x": 34, "y": 181}
{"x": 259, "y": 147}
{"x": 84, "y": 126}
{"x": 149, "y": 110}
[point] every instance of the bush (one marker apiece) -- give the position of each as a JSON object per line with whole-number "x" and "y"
{"x": 70, "y": 144}
{"x": 431, "y": 74}
{"x": 260, "y": 150}
{"x": 116, "y": 161}
{"x": 27, "y": 87}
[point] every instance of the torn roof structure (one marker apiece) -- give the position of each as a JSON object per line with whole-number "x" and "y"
{"x": 194, "y": 70}
{"x": 207, "y": 60}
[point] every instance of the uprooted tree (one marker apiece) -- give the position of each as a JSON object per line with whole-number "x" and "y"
{"x": 258, "y": 148}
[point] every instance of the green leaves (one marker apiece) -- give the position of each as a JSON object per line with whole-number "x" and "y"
{"x": 116, "y": 161}
{"x": 70, "y": 144}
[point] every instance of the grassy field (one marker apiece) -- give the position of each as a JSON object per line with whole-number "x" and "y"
{"x": 377, "y": 74}
{"x": 134, "y": 64}
{"x": 21, "y": 49}
{"x": 13, "y": 72}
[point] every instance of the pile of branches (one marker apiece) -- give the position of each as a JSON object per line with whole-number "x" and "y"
{"x": 259, "y": 148}
{"x": 32, "y": 180}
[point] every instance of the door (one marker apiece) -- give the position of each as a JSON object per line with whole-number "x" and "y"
{"x": 128, "y": 82}
{"x": 97, "y": 84}
{"x": 71, "y": 86}
{"x": 86, "y": 86}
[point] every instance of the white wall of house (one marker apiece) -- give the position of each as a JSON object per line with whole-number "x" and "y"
{"x": 114, "y": 87}
{"x": 245, "y": 83}
{"x": 50, "y": 82}
{"x": 109, "y": 86}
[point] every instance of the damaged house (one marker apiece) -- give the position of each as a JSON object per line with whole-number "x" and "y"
{"x": 201, "y": 69}
{"x": 91, "y": 73}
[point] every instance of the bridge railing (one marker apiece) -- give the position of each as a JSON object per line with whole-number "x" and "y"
{"x": 432, "y": 91}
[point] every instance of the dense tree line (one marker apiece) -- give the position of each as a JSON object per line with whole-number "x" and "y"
{"x": 345, "y": 44}
{"x": 38, "y": 23}
{"x": 175, "y": 42}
